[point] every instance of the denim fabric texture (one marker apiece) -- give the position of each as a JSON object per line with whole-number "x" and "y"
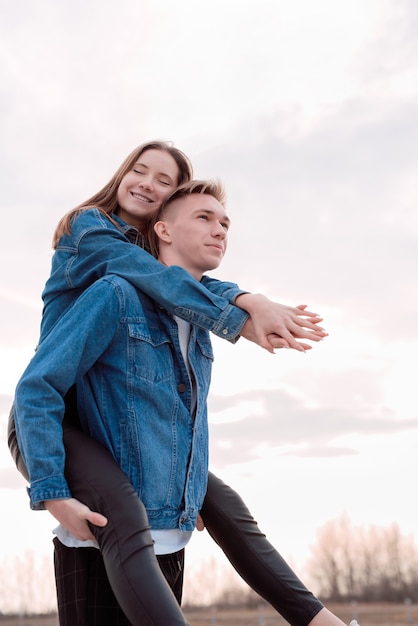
{"x": 96, "y": 247}
{"x": 134, "y": 395}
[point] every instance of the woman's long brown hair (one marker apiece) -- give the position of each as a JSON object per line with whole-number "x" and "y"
{"x": 106, "y": 199}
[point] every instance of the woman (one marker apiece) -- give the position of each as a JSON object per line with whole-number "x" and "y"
{"x": 91, "y": 242}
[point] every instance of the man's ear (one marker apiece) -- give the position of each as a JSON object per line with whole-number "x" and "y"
{"x": 161, "y": 229}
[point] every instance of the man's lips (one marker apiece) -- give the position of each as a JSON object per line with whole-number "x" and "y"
{"x": 216, "y": 245}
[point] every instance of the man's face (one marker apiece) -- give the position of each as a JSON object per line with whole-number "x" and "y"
{"x": 198, "y": 229}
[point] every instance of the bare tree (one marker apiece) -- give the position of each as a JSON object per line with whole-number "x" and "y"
{"x": 214, "y": 582}
{"x": 27, "y": 584}
{"x": 364, "y": 563}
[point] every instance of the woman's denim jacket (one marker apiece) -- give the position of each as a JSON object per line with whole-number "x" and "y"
{"x": 122, "y": 350}
{"x": 96, "y": 247}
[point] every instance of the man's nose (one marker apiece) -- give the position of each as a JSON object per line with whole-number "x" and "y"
{"x": 220, "y": 231}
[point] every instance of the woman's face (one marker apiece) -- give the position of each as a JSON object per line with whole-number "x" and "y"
{"x": 141, "y": 191}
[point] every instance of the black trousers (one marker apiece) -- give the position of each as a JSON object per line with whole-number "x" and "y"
{"x": 85, "y": 597}
{"x": 231, "y": 525}
{"x": 126, "y": 545}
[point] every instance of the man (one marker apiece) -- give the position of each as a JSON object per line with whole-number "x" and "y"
{"x": 142, "y": 382}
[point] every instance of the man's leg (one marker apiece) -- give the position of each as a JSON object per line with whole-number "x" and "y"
{"x": 172, "y": 566}
{"x": 96, "y": 480}
{"x": 125, "y": 543}
{"x": 84, "y": 595}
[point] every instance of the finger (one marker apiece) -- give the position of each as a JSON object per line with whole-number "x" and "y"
{"x": 311, "y": 323}
{"x": 306, "y": 346}
{"x": 277, "y": 342}
{"x": 263, "y": 341}
{"x": 304, "y": 311}
{"x": 291, "y": 341}
{"x": 85, "y": 535}
{"x": 310, "y": 335}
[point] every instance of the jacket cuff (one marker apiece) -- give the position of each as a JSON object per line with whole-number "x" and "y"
{"x": 47, "y": 489}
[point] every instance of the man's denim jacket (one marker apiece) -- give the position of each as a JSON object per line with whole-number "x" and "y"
{"x": 122, "y": 350}
{"x": 96, "y": 247}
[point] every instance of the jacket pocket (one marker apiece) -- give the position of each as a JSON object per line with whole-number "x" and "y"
{"x": 150, "y": 353}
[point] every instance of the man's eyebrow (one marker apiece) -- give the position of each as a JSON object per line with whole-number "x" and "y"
{"x": 225, "y": 218}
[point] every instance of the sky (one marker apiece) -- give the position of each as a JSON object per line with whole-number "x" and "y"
{"x": 308, "y": 112}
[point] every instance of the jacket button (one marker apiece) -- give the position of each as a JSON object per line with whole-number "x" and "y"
{"x": 182, "y": 388}
{"x": 225, "y": 331}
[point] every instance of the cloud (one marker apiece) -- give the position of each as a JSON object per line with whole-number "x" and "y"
{"x": 286, "y": 426}
{"x": 334, "y": 213}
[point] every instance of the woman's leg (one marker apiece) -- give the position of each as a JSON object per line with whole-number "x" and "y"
{"x": 231, "y": 525}
{"x": 14, "y": 446}
{"x": 125, "y": 542}
{"x": 96, "y": 480}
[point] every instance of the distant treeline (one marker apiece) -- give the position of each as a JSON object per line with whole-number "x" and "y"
{"x": 370, "y": 564}
{"x": 348, "y": 564}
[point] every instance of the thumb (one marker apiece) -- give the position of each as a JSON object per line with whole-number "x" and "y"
{"x": 96, "y": 519}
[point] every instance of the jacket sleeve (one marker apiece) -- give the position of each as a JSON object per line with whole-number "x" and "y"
{"x": 97, "y": 248}
{"x": 222, "y": 288}
{"x": 69, "y": 351}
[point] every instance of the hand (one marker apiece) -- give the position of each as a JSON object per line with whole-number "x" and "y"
{"x": 273, "y": 341}
{"x": 277, "y": 342}
{"x": 200, "y": 524}
{"x": 74, "y": 515}
{"x": 287, "y": 323}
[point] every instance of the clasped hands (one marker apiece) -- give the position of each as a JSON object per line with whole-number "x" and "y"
{"x": 272, "y": 325}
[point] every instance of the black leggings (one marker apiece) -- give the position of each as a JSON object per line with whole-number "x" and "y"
{"x": 96, "y": 480}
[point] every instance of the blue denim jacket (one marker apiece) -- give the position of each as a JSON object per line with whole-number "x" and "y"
{"x": 96, "y": 248}
{"x": 122, "y": 350}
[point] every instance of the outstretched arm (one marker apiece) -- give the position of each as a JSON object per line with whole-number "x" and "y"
{"x": 96, "y": 247}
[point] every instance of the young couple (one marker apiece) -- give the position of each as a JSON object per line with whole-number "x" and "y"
{"x": 124, "y": 350}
